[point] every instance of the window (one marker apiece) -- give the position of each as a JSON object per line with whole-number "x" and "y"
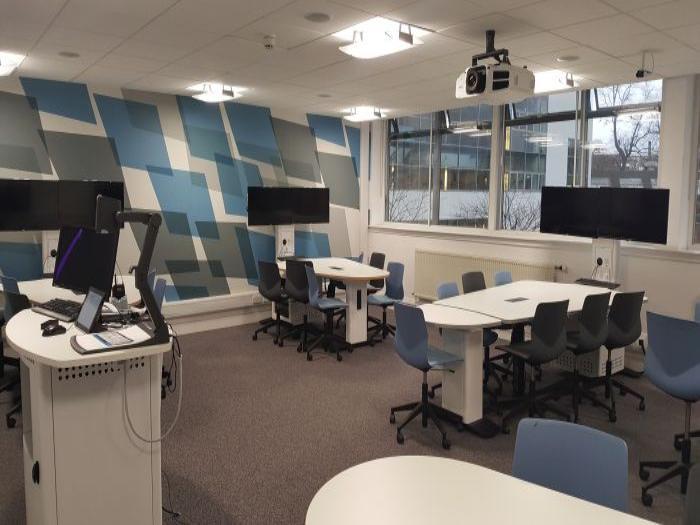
{"x": 464, "y": 143}
{"x": 540, "y": 149}
{"x": 623, "y": 135}
{"x": 408, "y": 169}
{"x": 439, "y": 164}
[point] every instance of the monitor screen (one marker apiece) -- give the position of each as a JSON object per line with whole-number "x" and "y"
{"x": 633, "y": 214}
{"x": 85, "y": 259}
{"x": 270, "y": 206}
{"x": 28, "y": 205}
{"x": 76, "y": 200}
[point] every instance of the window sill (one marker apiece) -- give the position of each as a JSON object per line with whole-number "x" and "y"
{"x": 526, "y": 239}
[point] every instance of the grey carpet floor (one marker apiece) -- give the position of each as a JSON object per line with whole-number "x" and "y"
{"x": 262, "y": 430}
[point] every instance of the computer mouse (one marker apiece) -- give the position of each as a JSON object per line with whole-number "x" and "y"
{"x": 54, "y": 329}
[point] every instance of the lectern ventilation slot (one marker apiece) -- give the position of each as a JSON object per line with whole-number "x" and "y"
{"x": 85, "y": 371}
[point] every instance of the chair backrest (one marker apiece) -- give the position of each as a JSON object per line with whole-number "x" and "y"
{"x": 159, "y": 292}
{"x": 295, "y": 283}
{"x": 411, "y": 338}
{"x": 269, "y": 282}
{"x": 394, "y": 283}
{"x": 9, "y": 284}
{"x": 473, "y": 282}
{"x": 593, "y": 322}
{"x": 376, "y": 260}
{"x": 313, "y": 290}
{"x": 549, "y": 330}
{"x": 573, "y": 459}
{"x": 503, "y": 277}
{"x": 446, "y": 290}
{"x": 624, "y": 319}
{"x": 14, "y": 303}
{"x": 691, "y": 512}
{"x": 696, "y": 315}
{"x": 672, "y": 360}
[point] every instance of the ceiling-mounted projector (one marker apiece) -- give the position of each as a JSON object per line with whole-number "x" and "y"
{"x": 498, "y": 83}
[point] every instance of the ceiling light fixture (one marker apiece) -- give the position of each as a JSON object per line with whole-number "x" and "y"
{"x": 9, "y": 62}
{"x": 554, "y": 80}
{"x": 363, "y": 114}
{"x": 379, "y": 37}
{"x": 567, "y": 58}
{"x": 215, "y": 92}
{"x": 68, "y": 54}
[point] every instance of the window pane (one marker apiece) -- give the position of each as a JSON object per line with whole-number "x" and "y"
{"x": 408, "y": 169}
{"x": 465, "y": 151}
{"x": 623, "y": 135}
{"x": 536, "y": 154}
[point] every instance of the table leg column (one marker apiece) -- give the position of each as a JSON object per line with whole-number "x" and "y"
{"x": 356, "y": 322}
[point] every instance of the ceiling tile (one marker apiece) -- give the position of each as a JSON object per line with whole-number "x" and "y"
{"x": 585, "y": 55}
{"x": 438, "y": 14}
{"x": 550, "y": 14}
{"x": 535, "y": 44}
{"x": 375, "y": 7}
{"x": 227, "y": 53}
{"x": 51, "y": 69}
{"x": 58, "y": 38}
{"x": 143, "y": 65}
{"x": 505, "y": 26}
{"x": 99, "y": 75}
{"x": 162, "y": 84}
{"x": 286, "y": 35}
{"x": 671, "y": 14}
{"x": 602, "y": 30}
{"x": 151, "y": 51}
{"x": 688, "y": 35}
{"x": 633, "y": 5}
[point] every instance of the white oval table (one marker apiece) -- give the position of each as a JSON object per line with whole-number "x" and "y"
{"x": 420, "y": 490}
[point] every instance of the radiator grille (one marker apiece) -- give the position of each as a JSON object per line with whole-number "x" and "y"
{"x": 434, "y": 268}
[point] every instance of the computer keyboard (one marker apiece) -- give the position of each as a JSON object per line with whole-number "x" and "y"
{"x": 61, "y": 309}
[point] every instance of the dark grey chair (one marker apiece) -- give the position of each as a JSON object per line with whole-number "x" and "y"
{"x": 412, "y": 346}
{"x": 590, "y": 334}
{"x": 624, "y": 329}
{"x": 296, "y": 287}
{"x": 14, "y": 303}
{"x": 327, "y": 306}
{"x": 270, "y": 287}
{"x": 547, "y": 343}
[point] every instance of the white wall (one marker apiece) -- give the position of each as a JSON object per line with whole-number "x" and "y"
{"x": 670, "y": 275}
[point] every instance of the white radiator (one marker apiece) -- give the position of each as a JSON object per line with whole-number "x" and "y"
{"x": 434, "y": 268}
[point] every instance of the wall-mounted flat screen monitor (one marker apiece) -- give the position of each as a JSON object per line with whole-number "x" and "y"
{"x": 76, "y": 200}
{"x": 633, "y": 214}
{"x": 50, "y": 204}
{"x": 271, "y": 206}
{"x": 85, "y": 259}
{"x": 28, "y": 205}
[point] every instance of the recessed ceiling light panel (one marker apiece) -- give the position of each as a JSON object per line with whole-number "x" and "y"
{"x": 567, "y": 58}
{"x": 317, "y": 18}
{"x": 68, "y": 54}
{"x": 363, "y": 113}
{"x": 215, "y": 92}
{"x": 9, "y": 62}
{"x": 379, "y": 37}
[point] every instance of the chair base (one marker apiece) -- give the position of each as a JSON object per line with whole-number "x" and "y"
{"x": 381, "y": 329}
{"x": 535, "y": 403}
{"x": 610, "y": 384}
{"x": 329, "y": 341}
{"x": 424, "y": 408}
{"x": 673, "y": 468}
{"x": 266, "y": 324}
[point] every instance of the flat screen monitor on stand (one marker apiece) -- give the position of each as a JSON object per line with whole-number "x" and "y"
{"x": 285, "y": 207}
{"x": 607, "y": 215}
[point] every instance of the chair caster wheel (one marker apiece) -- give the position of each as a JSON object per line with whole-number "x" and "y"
{"x": 399, "y": 438}
{"x": 11, "y": 422}
{"x": 299, "y": 349}
{"x": 431, "y": 394}
{"x": 647, "y": 499}
{"x": 392, "y": 418}
{"x": 642, "y": 406}
{"x": 643, "y": 474}
{"x": 338, "y": 357}
{"x": 308, "y": 357}
{"x": 445, "y": 443}
{"x": 612, "y": 417}
{"x": 350, "y": 349}
{"x": 255, "y": 337}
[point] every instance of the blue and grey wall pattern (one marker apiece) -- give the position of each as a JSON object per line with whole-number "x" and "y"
{"x": 189, "y": 160}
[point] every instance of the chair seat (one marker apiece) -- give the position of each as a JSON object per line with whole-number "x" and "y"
{"x": 380, "y": 300}
{"x": 330, "y": 303}
{"x": 439, "y": 358}
{"x": 490, "y": 337}
{"x": 521, "y": 350}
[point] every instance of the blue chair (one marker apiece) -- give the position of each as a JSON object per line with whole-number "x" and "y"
{"x": 392, "y": 295}
{"x": 501, "y": 278}
{"x": 411, "y": 342}
{"x": 672, "y": 364}
{"x": 447, "y": 290}
{"x": 327, "y": 306}
{"x": 159, "y": 292}
{"x": 573, "y": 459}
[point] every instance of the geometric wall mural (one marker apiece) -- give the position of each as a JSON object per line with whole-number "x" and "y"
{"x": 191, "y": 161}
